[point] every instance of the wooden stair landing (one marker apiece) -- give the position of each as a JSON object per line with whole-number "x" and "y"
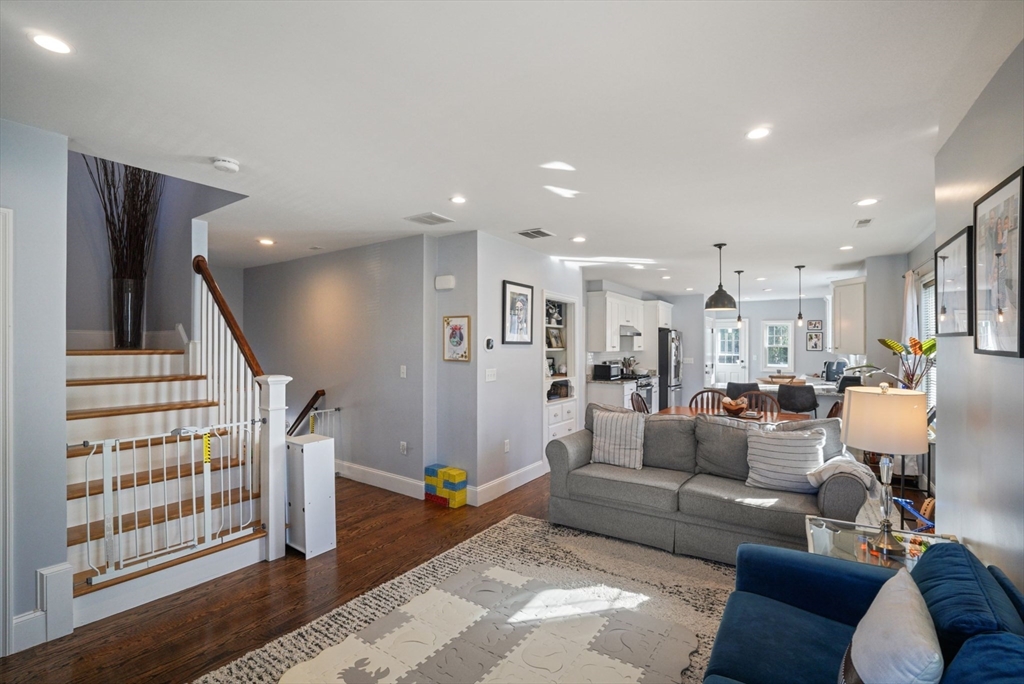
{"x": 84, "y": 414}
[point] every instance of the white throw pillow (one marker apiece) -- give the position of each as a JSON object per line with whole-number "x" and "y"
{"x": 781, "y": 460}
{"x": 895, "y": 641}
{"x": 618, "y": 439}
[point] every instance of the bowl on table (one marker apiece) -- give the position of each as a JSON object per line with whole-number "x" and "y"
{"x": 734, "y": 407}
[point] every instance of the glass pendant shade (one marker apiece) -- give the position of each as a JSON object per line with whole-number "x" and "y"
{"x": 720, "y": 300}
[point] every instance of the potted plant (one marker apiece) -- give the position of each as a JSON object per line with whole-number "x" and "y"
{"x": 130, "y": 197}
{"x": 916, "y": 359}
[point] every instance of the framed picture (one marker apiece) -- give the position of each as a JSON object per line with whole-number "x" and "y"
{"x": 954, "y": 285}
{"x": 997, "y": 252}
{"x": 517, "y": 312}
{"x": 551, "y": 366}
{"x": 814, "y": 342}
{"x": 814, "y": 325}
{"x": 456, "y": 342}
{"x": 555, "y": 339}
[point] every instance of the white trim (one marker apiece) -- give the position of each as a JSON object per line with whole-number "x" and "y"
{"x": 54, "y": 596}
{"x": 478, "y": 496}
{"x": 104, "y": 339}
{"x": 121, "y": 597}
{"x": 28, "y": 630}
{"x": 7, "y": 632}
{"x": 792, "y": 346}
{"x": 379, "y": 478}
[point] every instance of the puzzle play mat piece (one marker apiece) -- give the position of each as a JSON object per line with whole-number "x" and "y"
{"x": 488, "y": 624}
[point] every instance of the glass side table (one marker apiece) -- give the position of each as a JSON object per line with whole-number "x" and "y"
{"x": 847, "y": 540}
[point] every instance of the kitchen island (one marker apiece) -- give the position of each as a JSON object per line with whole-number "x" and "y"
{"x": 825, "y": 392}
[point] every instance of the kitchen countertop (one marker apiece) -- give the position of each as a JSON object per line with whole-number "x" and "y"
{"x": 823, "y": 389}
{"x": 609, "y": 382}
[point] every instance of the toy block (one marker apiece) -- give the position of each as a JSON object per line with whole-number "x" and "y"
{"x": 434, "y": 481}
{"x": 434, "y": 498}
{"x": 457, "y": 499}
{"x": 450, "y": 474}
{"x": 431, "y": 489}
{"x": 431, "y": 470}
{"x": 453, "y": 486}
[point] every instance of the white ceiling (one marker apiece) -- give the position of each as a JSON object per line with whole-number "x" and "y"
{"x": 348, "y": 117}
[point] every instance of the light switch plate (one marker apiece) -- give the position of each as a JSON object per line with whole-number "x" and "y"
{"x": 687, "y": 360}
{"x": 491, "y": 375}
{"x": 401, "y": 371}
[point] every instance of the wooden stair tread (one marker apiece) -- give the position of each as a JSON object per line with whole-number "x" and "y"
{"x": 77, "y": 491}
{"x": 132, "y": 380}
{"x": 78, "y": 451}
{"x": 122, "y": 352}
{"x": 146, "y": 518}
{"x": 82, "y": 587}
{"x": 83, "y": 414}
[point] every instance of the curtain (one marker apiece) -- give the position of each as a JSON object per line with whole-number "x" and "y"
{"x": 911, "y": 325}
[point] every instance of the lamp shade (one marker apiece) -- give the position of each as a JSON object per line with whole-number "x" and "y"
{"x": 890, "y": 422}
{"x": 720, "y": 301}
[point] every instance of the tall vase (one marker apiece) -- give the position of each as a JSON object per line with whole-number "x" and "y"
{"x": 128, "y": 298}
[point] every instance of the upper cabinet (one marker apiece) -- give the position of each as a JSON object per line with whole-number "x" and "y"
{"x": 849, "y": 323}
{"x": 607, "y": 312}
{"x": 659, "y": 314}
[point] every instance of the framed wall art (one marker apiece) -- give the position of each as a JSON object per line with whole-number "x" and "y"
{"x": 954, "y": 285}
{"x": 997, "y": 251}
{"x": 457, "y": 342}
{"x": 517, "y": 313}
{"x": 814, "y": 341}
{"x": 814, "y": 325}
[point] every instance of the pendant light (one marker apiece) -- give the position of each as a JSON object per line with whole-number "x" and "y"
{"x": 999, "y": 309}
{"x": 739, "y": 296}
{"x": 720, "y": 300}
{"x": 800, "y": 297}
{"x": 942, "y": 288}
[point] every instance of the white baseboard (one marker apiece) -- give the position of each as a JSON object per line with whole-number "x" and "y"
{"x": 104, "y": 339}
{"x": 478, "y": 496}
{"x": 29, "y": 630}
{"x": 380, "y": 478}
{"x": 52, "y": 617}
{"x": 121, "y": 597}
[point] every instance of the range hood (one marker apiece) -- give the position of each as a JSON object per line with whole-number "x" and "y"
{"x": 628, "y": 331}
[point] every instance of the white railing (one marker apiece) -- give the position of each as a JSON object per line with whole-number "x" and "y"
{"x": 326, "y": 422}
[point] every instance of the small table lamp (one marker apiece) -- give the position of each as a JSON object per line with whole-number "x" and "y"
{"x": 887, "y": 421}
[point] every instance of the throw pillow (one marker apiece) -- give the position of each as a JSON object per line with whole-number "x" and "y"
{"x": 618, "y": 438}
{"x": 781, "y": 460}
{"x": 833, "y": 428}
{"x": 895, "y": 641}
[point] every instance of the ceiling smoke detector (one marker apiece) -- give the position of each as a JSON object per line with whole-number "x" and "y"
{"x": 225, "y": 164}
{"x": 536, "y": 233}
{"x": 429, "y": 219}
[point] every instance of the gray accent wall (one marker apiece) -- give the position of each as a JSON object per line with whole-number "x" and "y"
{"x": 231, "y": 282}
{"x": 980, "y": 445}
{"x": 33, "y": 184}
{"x": 922, "y": 257}
{"x": 688, "y": 319}
{"x": 883, "y": 301}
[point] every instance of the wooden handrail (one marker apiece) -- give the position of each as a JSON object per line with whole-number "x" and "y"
{"x": 200, "y": 266}
{"x": 317, "y": 396}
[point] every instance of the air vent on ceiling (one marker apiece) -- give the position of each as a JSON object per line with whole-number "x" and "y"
{"x": 862, "y": 223}
{"x": 429, "y": 219}
{"x": 536, "y": 233}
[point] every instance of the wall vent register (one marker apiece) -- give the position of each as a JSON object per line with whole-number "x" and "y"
{"x": 536, "y": 233}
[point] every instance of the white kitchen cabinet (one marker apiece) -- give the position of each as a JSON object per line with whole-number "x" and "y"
{"x": 611, "y": 393}
{"x": 849, "y": 323}
{"x": 606, "y": 313}
{"x": 310, "y": 512}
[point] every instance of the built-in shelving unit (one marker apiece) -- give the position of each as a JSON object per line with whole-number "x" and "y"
{"x": 561, "y": 366}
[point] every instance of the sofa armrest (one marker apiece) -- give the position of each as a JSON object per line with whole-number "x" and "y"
{"x": 833, "y": 588}
{"x": 565, "y": 455}
{"x": 841, "y": 497}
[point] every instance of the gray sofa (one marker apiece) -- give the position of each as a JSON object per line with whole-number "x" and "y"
{"x": 690, "y": 496}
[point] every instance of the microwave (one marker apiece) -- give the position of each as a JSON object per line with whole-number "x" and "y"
{"x": 607, "y": 371}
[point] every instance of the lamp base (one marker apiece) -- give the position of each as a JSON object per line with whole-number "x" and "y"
{"x": 886, "y": 544}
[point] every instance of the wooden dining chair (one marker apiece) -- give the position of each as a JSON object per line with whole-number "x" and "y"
{"x": 763, "y": 402}
{"x": 639, "y": 403}
{"x": 836, "y": 411}
{"x": 707, "y": 401}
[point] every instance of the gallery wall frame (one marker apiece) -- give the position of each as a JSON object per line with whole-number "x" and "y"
{"x": 516, "y": 313}
{"x": 457, "y": 340}
{"x": 998, "y": 326}
{"x": 954, "y": 285}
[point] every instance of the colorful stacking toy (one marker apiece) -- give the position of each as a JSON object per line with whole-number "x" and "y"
{"x": 445, "y": 485}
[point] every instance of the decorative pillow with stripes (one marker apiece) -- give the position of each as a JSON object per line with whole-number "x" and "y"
{"x": 619, "y": 439}
{"x": 781, "y": 460}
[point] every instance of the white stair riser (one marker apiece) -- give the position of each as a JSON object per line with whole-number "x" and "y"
{"x": 133, "y": 394}
{"x": 132, "y": 426}
{"x": 124, "y": 365}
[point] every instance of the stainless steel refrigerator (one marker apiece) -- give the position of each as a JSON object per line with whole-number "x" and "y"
{"x": 670, "y": 367}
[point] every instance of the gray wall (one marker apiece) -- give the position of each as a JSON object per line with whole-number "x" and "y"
{"x": 922, "y": 257}
{"x": 345, "y": 322}
{"x": 688, "y": 319}
{"x": 33, "y": 184}
{"x": 979, "y": 459}
{"x": 805, "y": 362}
{"x": 883, "y": 301}
{"x": 169, "y": 283}
{"x": 231, "y": 282}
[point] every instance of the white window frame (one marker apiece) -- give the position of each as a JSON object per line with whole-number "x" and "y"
{"x": 791, "y": 347}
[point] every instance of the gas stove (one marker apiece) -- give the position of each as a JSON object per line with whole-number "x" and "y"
{"x": 641, "y": 380}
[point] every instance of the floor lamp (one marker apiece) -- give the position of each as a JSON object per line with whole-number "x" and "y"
{"x": 887, "y": 421}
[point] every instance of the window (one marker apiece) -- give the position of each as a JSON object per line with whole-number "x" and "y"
{"x": 778, "y": 344}
{"x": 728, "y": 345}
{"x": 928, "y": 331}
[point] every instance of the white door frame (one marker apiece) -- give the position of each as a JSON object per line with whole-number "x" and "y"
{"x": 7, "y": 431}
{"x": 744, "y": 365}
{"x": 709, "y": 351}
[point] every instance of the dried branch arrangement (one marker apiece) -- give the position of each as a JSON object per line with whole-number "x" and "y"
{"x": 130, "y": 197}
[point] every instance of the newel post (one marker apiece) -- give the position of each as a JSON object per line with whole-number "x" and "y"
{"x": 273, "y": 492}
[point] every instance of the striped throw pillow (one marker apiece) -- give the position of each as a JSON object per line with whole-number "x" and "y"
{"x": 781, "y": 460}
{"x": 618, "y": 439}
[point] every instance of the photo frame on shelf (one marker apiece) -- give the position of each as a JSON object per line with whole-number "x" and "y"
{"x": 814, "y": 325}
{"x": 456, "y": 343}
{"x": 954, "y": 285}
{"x": 551, "y": 365}
{"x": 517, "y": 313}
{"x": 814, "y": 341}
{"x": 998, "y": 255}
{"x": 555, "y": 340}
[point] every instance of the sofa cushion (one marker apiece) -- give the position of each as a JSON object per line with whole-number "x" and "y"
{"x": 990, "y": 658}
{"x": 833, "y": 428}
{"x": 648, "y": 487}
{"x": 963, "y": 597}
{"x": 588, "y": 415}
{"x": 618, "y": 439}
{"x": 781, "y": 460}
{"x": 732, "y": 502}
{"x": 764, "y": 640}
{"x": 1012, "y": 592}
{"x": 670, "y": 442}
{"x": 722, "y": 446}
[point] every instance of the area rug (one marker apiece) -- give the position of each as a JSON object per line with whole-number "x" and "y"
{"x": 523, "y": 601}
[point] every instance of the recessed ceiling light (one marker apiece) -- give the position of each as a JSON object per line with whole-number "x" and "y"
{"x": 579, "y": 238}
{"x": 689, "y": 289}
{"x": 457, "y": 199}
{"x": 662, "y": 269}
{"x": 52, "y": 44}
{"x": 866, "y": 202}
{"x": 762, "y": 279}
{"x": 639, "y": 267}
{"x": 949, "y": 280}
{"x": 759, "y": 132}
{"x": 558, "y": 166}
{"x": 562, "y": 192}
{"x": 266, "y": 241}
{"x": 803, "y": 295}
{"x": 666, "y": 277}
{"x": 767, "y": 289}
{"x": 846, "y": 248}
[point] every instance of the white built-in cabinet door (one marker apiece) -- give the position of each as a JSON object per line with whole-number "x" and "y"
{"x": 849, "y": 325}
{"x": 664, "y": 311}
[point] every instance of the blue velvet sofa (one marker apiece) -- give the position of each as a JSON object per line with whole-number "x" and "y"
{"x": 794, "y": 613}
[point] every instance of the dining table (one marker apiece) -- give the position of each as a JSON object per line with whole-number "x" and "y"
{"x": 765, "y": 417}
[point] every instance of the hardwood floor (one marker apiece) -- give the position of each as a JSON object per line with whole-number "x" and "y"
{"x": 178, "y": 638}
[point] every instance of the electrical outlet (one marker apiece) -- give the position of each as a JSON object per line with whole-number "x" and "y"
{"x": 401, "y": 371}
{"x": 491, "y": 375}
{"x": 403, "y": 448}
{"x": 506, "y": 446}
